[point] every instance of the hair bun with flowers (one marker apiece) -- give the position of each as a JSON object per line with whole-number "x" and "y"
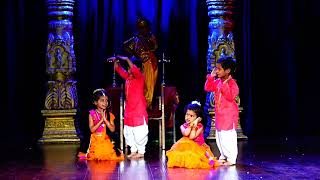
{"x": 196, "y": 102}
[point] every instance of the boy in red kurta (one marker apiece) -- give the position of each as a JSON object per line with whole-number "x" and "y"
{"x": 225, "y": 91}
{"x": 135, "y": 115}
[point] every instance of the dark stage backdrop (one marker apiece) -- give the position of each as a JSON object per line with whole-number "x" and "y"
{"x": 285, "y": 66}
{"x": 275, "y": 47}
{"x": 181, "y": 28}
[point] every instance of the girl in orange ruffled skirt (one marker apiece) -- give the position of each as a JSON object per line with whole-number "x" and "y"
{"x": 191, "y": 151}
{"x": 101, "y": 147}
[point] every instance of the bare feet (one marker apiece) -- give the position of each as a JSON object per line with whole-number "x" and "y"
{"x": 132, "y": 155}
{"x": 228, "y": 163}
{"x": 138, "y": 156}
{"x": 220, "y": 162}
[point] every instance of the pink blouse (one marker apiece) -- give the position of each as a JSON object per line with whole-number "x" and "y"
{"x": 226, "y": 108}
{"x": 96, "y": 117}
{"x": 200, "y": 139}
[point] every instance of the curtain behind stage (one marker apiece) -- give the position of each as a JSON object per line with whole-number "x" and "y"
{"x": 284, "y": 59}
{"x": 274, "y": 43}
{"x": 23, "y": 38}
{"x": 99, "y": 29}
{"x": 181, "y": 29}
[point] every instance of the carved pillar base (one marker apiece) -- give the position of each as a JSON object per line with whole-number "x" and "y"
{"x": 212, "y": 134}
{"x": 59, "y": 126}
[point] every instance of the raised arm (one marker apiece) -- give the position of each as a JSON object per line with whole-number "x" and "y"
{"x": 195, "y": 131}
{"x": 134, "y": 70}
{"x": 211, "y": 83}
{"x": 124, "y": 58}
{"x": 119, "y": 69}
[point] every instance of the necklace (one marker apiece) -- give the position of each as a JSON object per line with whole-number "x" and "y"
{"x": 98, "y": 111}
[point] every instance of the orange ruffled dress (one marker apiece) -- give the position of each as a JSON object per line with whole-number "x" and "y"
{"x": 192, "y": 154}
{"x": 101, "y": 147}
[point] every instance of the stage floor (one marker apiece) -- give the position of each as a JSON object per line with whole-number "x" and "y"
{"x": 280, "y": 158}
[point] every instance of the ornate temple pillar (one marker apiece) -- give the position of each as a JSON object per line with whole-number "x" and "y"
{"x": 61, "y": 98}
{"x": 220, "y": 43}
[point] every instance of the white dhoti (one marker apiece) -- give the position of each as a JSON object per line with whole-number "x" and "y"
{"x": 136, "y": 137}
{"x": 228, "y": 145}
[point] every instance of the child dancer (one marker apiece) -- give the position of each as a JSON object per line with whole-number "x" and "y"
{"x": 101, "y": 147}
{"x": 225, "y": 90}
{"x": 191, "y": 151}
{"x": 135, "y": 113}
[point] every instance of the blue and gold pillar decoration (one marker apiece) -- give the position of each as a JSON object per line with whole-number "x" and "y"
{"x": 61, "y": 100}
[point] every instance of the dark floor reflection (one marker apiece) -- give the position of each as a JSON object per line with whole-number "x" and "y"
{"x": 186, "y": 174}
{"x": 258, "y": 159}
{"x": 229, "y": 173}
{"x": 136, "y": 169}
{"x": 102, "y": 169}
